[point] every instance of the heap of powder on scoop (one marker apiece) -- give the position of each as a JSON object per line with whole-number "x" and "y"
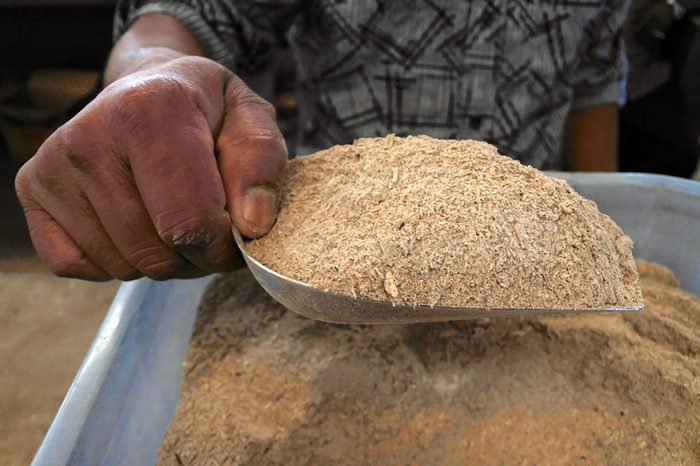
{"x": 418, "y": 220}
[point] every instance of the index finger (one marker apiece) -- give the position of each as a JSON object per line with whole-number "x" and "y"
{"x": 252, "y": 157}
{"x": 177, "y": 178}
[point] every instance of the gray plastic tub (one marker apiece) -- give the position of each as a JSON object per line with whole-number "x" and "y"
{"x": 118, "y": 407}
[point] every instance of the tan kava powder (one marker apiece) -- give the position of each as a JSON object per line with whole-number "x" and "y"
{"x": 264, "y": 386}
{"x": 419, "y": 220}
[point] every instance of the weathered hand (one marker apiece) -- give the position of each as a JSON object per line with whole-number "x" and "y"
{"x": 147, "y": 178}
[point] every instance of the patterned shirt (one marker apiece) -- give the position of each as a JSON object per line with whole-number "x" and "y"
{"x": 648, "y": 71}
{"x": 505, "y": 71}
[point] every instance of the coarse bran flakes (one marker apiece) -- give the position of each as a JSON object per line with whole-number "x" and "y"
{"x": 265, "y": 386}
{"x": 419, "y": 220}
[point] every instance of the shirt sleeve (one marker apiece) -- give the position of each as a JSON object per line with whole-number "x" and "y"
{"x": 239, "y": 34}
{"x": 603, "y": 65}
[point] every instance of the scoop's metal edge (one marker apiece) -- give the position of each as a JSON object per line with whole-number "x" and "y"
{"x": 404, "y": 313}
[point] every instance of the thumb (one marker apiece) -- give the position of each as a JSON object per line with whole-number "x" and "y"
{"x": 252, "y": 157}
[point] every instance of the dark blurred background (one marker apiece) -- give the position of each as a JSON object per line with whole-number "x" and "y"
{"x": 51, "y": 52}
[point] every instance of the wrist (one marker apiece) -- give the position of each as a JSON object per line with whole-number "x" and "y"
{"x": 124, "y": 63}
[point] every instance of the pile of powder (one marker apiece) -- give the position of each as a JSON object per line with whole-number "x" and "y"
{"x": 265, "y": 386}
{"x": 419, "y": 220}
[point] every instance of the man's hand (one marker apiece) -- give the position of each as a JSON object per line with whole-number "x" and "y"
{"x": 147, "y": 178}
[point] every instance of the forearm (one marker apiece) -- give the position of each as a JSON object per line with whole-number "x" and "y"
{"x": 591, "y": 139}
{"x": 151, "y": 41}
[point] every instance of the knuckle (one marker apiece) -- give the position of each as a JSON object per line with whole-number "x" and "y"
{"x": 261, "y": 136}
{"x": 68, "y": 267}
{"x": 155, "y": 86}
{"x": 266, "y": 140}
{"x": 156, "y": 262}
{"x": 267, "y": 107}
{"x": 37, "y": 174}
{"x": 137, "y": 110}
{"x": 160, "y": 268}
{"x": 76, "y": 145}
{"x": 185, "y": 230}
{"x": 121, "y": 270}
{"x": 244, "y": 96}
{"x": 259, "y": 104}
{"x": 128, "y": 276}
{"x": 22, "y": 180}
{"x": 157, "y": 90}
{"x": 81, "y": 161}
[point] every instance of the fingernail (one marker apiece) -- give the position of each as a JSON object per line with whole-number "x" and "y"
{"x": 259, "y": 208}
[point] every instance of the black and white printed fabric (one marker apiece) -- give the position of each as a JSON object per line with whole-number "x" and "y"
{"x": 506, "y": 71}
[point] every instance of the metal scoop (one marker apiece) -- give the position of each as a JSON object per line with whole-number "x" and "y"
{"x": 337, "y": 308}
